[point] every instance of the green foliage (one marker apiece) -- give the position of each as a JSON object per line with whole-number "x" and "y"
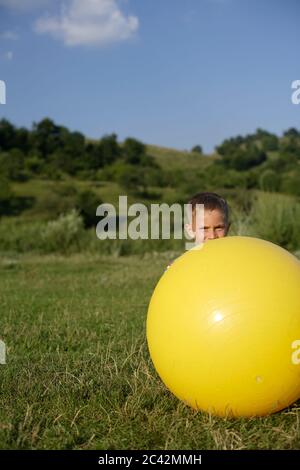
{"x": 197, "y": 149}
{"x": 12, "y": 165}
{"x": 291, "y": 183}
{"x": 132, "y": 178}
{"x": 133, "y": 151}
{"x": 55, "y": 201}
{"x": 46, "y": 137}
{"x": 50, "y": 151}
{"x": 276, "y": 218}
{"x": 243, "y": 153}
{"x": 269, "y": 181}
{"x": 264, "y": 215}
{"x": 290, "y": 143}
{"x": 34, "y": 165}
{"x": 6, "y": 196}
{"x": 110, "y": 149}
{"x": 292, "y": 132}
{"x": 62, "y": 198}
{"x": 135, "y": 179}
{"x": 94, "y": 156}
{"x": 63, "y": 234}
{"x": 7, "y": 135}
{"x": 241, "y": 159}
{"x": 283, "y": 162}
{"x": 86, "y": 203}
{"x": 268, "y": 141}
{"x": 19, "y": 236}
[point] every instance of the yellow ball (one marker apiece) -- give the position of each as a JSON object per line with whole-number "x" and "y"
{"x": 223, "y": 327}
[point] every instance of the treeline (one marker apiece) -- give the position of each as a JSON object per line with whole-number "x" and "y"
{"x": 52, "y": 151}
{"x": 260, "y": 160}
{"x": 256, "y": 161}
{"x": 60, "y": 213}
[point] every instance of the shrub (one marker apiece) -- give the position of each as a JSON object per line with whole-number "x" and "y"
{"x": 269, "y": 181}
{"x": 6, "y": 197}
{"x": 87, "y": 202}
{"x": 291, "y": 183}
{"x": 276, "y": 217}
{"x": 63, "y": 234}
{"x": 19, "y": 236}
{"x": 52, "y": 203}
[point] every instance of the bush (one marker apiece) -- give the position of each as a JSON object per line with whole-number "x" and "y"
{"x": 276, "y": 217}
{"x": 87, "y": 202}
{"x": 269, "y": 181}
{"x": 6, "y": 196}
{"x": 291, "y": 183}
{"x": 51, "y": 204}
{"x": 63, "y": 234}
{"x": 34, "y": 165}
{"x": 12, "y": 165}
{"x": 18, "y": 236}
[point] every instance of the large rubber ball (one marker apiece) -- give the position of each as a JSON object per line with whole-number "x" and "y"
{"x": 223, "y": 327}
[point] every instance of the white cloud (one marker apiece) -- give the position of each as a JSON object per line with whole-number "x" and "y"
{"x": 23, "y": 5}
{"x": 89, "y": 22}
{"x": 11, "y": 35}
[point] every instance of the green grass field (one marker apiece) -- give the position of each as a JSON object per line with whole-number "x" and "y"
{"x": 78, "y": 372}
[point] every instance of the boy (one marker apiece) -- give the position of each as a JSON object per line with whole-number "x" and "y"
{"x": 216, "y": 218}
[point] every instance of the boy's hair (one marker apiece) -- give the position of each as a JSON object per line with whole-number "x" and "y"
{"x": 211, "y": 201}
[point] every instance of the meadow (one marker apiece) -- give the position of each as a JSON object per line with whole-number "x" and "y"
{"x": 78, "y": 372}
{"x": 73, "y": 309}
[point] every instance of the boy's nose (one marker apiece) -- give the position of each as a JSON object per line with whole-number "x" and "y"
{"x": 211, "y": 235}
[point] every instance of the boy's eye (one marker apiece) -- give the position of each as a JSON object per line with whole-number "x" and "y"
{"x": 221, "y": 227}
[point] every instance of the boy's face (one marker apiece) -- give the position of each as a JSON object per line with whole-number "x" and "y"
{"x": 214, "y": 227}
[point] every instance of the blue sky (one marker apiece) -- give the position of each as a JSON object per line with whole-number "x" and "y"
{"x": 169, "y": 72}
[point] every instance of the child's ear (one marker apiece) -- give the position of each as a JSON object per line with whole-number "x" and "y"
{"x": 189, "y": 230}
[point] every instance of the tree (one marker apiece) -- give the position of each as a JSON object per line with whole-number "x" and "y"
{"x": 230, "y": 146}
{"x": 242, "y": 159}
{"x": 7, "y": 135}
{"x": 268, "y": 141}
{"x": 197, "y": 149}
{"x": 132, "y": 178}
{"x": 269, "y": 181}
{"x": 12, "y": 164}
{"x": 69, "y": 156}
{"x": 94, "y": 156}
{"x": 133, "y": 151}
{"x": 290, "y": 143}
{"x": 87, "y": 202}
{"x": 291, "y": 183}
{"x": 292, "y": 132}
{"x": 22, "y": 140}
{"x": 110, "y": 149}
{"x": 6, "y": 196}
{"x": 46, "y": 137}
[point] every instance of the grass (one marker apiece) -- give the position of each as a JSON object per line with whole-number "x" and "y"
{"x": 78, "y": 372}
{"x": 182, "y": 160}
{"x": 42, "y": 190}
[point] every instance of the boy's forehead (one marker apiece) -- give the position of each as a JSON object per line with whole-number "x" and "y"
{"x": 210, "y": 214}
{"x": 215, "y": 212}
